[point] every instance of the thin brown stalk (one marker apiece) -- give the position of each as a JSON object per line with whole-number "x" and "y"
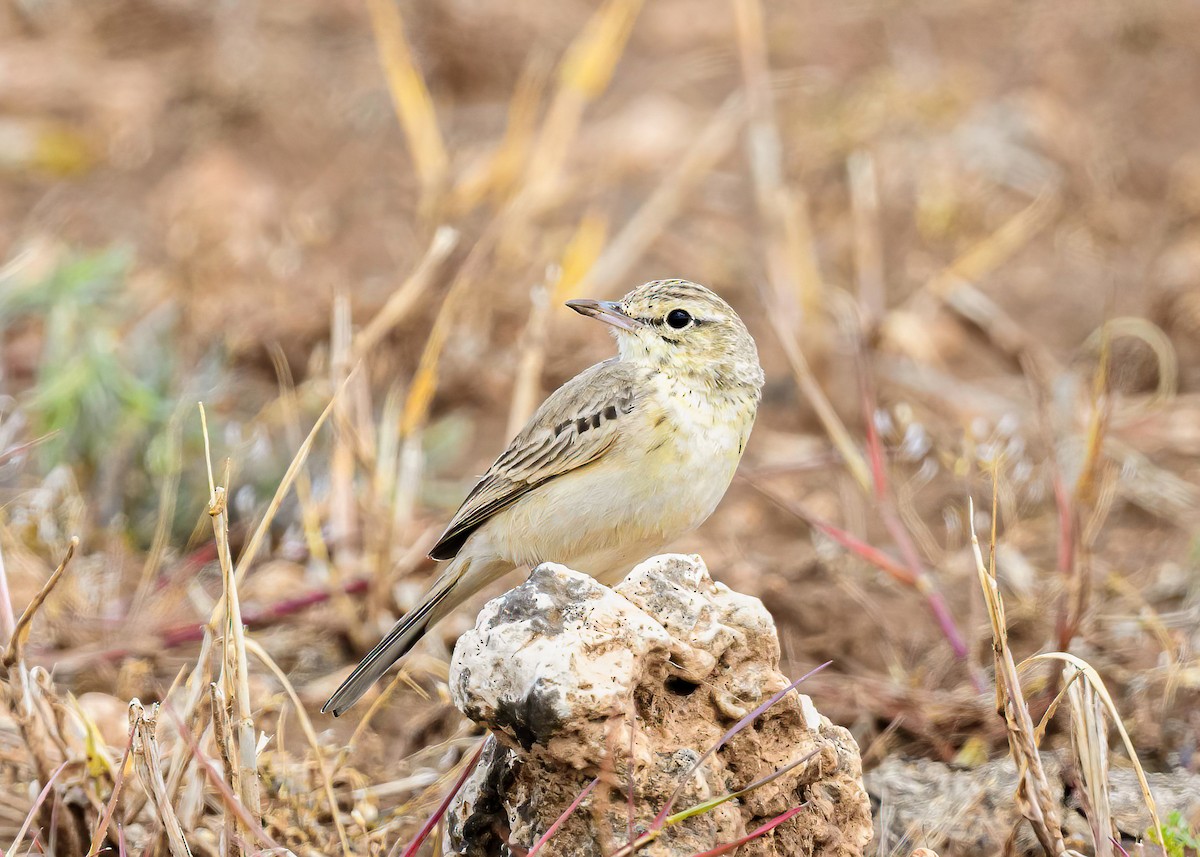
{"x": 497, "y": 175}
{"x": 229, "y": 799}
{"x": 194, "y": 691}
{"x": 341, "y": 506}
{"x": 377, "y": 704}
{"x": 415, "y": 845}
{"x": 223, "y": 739}
{"x": 1089, "y": 742}
{"x": 310, "y": 513}
{"x": 955, "y": 285}
{"x": 885, "y": 504}
{"x": 581, "y": 253}
{"x": 791, "y": 265}
{"x": 811, "y": 388}
{"x": 167, "y": 495}
{"x": 235, "y": 673}
{"x": 98, "y": 836}
{"x": 310, "y": 734}
{"x": 558, "y": 822}
{"x": 14, "y": 652}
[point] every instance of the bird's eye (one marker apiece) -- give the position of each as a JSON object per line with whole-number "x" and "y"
{"x": 679, "y": 318}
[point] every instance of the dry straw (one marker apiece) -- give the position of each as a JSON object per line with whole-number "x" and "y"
{"x": 1089, "y": 701}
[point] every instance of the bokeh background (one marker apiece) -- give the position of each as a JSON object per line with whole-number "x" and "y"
{"x": 966, "y": 236}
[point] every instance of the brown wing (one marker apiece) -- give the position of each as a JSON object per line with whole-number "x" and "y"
{"x": 574, "y": 427}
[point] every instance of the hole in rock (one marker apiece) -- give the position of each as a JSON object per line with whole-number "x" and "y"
{"x": 681, "y": 686}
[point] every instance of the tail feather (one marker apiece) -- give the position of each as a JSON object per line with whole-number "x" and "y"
{"x": 404, "y": 635}
{"x": 465, "y": 576}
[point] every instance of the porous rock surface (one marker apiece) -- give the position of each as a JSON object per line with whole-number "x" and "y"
{"x": 575, "y": 679}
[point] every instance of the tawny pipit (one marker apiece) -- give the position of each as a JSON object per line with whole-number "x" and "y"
{"x": 620, "y": 460}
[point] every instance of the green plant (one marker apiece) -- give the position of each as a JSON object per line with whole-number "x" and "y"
{"x": 97, "y": 387}
{"x": 1176, "y": 837}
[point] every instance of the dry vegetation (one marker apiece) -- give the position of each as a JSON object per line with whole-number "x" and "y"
{"x": 965, "y": 235}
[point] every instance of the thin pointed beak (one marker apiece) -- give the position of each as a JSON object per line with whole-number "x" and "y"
{"x": 609, "y": 312}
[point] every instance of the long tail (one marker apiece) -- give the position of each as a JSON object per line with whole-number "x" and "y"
{"x": 460, "y": 581}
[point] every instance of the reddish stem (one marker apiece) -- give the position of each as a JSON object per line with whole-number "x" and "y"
{"x": 432, "y": 821}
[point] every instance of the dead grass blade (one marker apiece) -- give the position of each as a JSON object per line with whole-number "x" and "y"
{"x": 886, "y": 507}
{"x": 497, "y": 175}
{"x": 229, "y": 798}
{"x": 167, "y": 495}
{"x": 1089, "y": 742}
{"x": 410, "y": 95}
{"x": 235, "y": 673}
{"x": 711, "y": 145}
{"x": 1156, "y": 340}
{"x": 955, "y": 285}
{"x": 309, "y": 734}
{"x": 1034, "y": 796}
{"x": 149, "y": 770}
{"x": 792, "y": 268}
{"x": 581, "y": 253}
{"x": 811, "y": 388}
{"x": 250, "y": 551}
{"x": 13, "y": 653}
{"x": 405, "y": 298}
{"x": 1101, "y": 697}
{"x": 8, "y": 619}
{"x": 868, "y": 241}
{"x": 585, "y": 72}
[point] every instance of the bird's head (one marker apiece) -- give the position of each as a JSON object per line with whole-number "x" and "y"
{"x": 684, "y": 330}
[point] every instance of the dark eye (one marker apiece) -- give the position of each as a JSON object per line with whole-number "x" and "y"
{"x": 679, "y": 318}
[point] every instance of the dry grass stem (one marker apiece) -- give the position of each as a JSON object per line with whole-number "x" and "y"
{"x": 33, "y": 811}
{"x": 1098, "y": 696}
{"x": 234, "y": 680}
{"x": 955, "y": 285}
{"x": 16, "y": 643}
{"x": 1035, "y": 798}
{"x": 868, "y": 243}
{"x": 149, "y": 770}
{"x": 410, "y": 95}
{"x": 412, "y": 290}
{"x": 585, "y": 72}
{"x": 652, "y": 217}
{"x": 581, "y": 253}
{"x": 250, "y": 551}
{"x": 310, "y": 735}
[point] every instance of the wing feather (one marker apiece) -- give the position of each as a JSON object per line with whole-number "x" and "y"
{"x": 574, "y": 427}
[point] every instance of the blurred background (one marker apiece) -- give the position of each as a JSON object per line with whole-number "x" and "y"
{"x": 966, "y": 236}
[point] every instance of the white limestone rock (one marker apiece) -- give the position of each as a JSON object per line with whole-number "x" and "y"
{"x": 578, "y": 681}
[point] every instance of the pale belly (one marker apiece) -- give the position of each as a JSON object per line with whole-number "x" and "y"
{"x": 607, "y": 516}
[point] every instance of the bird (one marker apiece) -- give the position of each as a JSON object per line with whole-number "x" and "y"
{"x": 619, "y": 461}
